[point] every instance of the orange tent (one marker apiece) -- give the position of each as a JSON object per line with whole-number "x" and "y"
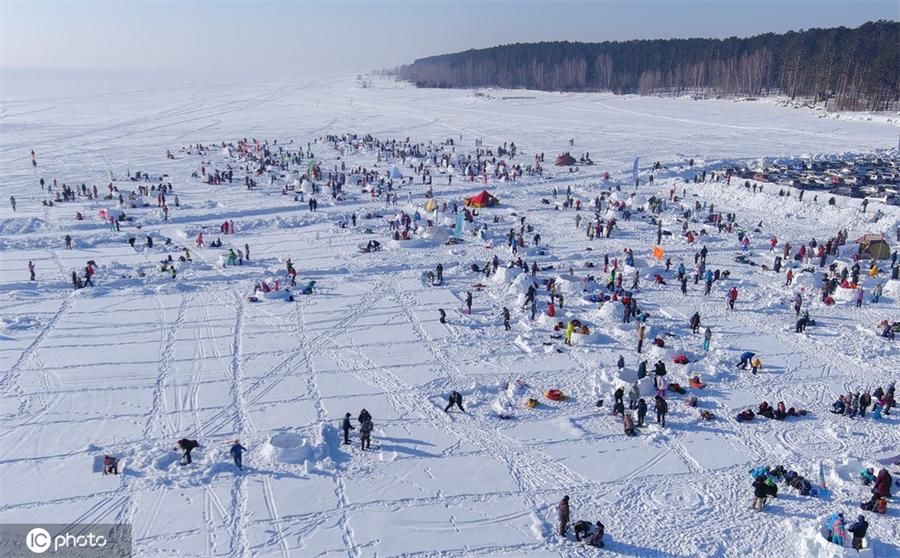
{"x": 484, "y": 199}
{"x": 659, "y": 253}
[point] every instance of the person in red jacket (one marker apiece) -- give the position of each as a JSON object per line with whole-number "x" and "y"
{"x": 732, "y": 296}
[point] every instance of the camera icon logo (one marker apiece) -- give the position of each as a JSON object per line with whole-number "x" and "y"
{"x": 38, "y": 540}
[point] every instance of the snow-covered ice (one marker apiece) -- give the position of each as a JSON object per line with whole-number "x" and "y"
{"x": 140, "y": 360}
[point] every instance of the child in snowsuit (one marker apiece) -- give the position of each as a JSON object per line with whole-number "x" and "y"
{"x": 755, "y": 364}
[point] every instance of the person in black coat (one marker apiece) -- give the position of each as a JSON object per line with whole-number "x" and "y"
{"x": 186, "y": 446}
{"x": 455, "y": 398}
{"x": 364, "y": 416}
{"x": 661, "y": 409}
{"x": 347, "y": 428}
{"x": 858, "y": 528}
{"x": 760, "y": 493}
{"x": 641, "y": 411}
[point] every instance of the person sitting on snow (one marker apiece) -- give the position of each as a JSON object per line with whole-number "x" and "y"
{"x": 581, "y": 528}
{"x": 596, "y": 539}
{"x": 867, "y": 476}
{"x": 838, "y": 406}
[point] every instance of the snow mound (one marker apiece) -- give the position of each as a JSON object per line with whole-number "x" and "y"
{"x": 19, "y": 323}
{"x": 891, "y": 289}
{"x": 507, "y": 275}
{"x": 290, "y": 448}
{"x": 520, "y": 282}
{"x": 609, "y": 312}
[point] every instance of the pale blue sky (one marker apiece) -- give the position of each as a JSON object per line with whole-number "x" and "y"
{"x": 351, "y": 36}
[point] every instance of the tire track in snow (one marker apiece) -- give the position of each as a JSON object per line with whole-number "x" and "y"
{"x": 9, "y": 381}
{"x": 158, "y": 419}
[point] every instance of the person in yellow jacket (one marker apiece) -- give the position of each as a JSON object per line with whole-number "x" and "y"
{"x": 755, "y": 364}
{"x": 569, "y": 329}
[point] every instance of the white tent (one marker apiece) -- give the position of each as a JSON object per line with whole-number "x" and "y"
{"x": 395, "y": 173}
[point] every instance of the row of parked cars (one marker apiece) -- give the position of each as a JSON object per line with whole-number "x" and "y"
{"x": 863, "y": 176}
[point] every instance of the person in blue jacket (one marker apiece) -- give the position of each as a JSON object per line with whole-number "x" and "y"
{"x": 746, "y": 357}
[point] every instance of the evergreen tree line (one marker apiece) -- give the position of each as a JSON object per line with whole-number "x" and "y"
{"x": 846, "y": 69}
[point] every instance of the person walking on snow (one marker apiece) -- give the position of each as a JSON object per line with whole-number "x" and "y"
{"x": 236, "y": 452}
{"x": 707, "y": 335}
{"x": 859, "y": 296}
{"x": 641, "y": 411}
{"x": 68, "y": 240}
{"x": 695, "y": 322}
{"x": 506, "y": 318}
{"x": 347, "y": 427}
{"x": 455, "y": 398}
{"x": 469, "y": 302}
{"x": 563, "y": 510}
{"x": 12, "y": 203}
{"x": 31, "y": 270}
{"x": 662, "y": 407}
{"x": 200, "y": 239}
{"x": 634, "y": 394}
{"x": 732, "y": 297}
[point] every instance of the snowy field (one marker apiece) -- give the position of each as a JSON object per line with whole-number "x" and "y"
{"x": 136, "y": 362}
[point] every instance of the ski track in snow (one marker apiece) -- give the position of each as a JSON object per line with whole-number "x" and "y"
{"x": 135, "y": 363}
